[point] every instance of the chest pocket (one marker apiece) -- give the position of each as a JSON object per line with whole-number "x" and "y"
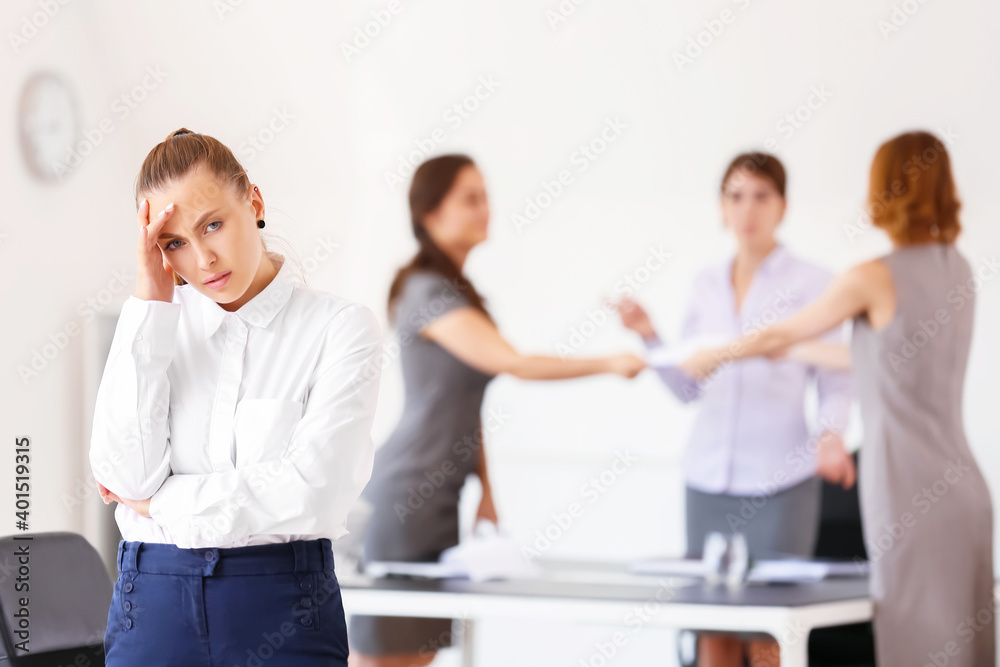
{"x": 263, "y": 428}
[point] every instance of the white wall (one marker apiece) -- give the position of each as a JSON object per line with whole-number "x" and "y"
{"x": 229, "y": 73}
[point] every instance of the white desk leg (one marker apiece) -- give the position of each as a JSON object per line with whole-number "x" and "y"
{"x": 468, "y": 642}
{"x": 794, "y": 651}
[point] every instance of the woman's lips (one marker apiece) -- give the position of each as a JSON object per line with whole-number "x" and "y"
{"x": 221, "y": 282}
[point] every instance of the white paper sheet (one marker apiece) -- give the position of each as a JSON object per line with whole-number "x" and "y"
{"x": 671, "y": 355}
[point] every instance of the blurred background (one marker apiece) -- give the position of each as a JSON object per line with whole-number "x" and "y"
{"x": 330, "y": 106}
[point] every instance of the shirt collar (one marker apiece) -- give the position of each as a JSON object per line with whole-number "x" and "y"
{"x": 774, "y": 259}
{"x": 771, "y": 263}
{"x": 258, "y": 311}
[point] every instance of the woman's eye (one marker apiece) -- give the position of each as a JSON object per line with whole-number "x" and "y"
{"x": 170, "y": 246}
{"x": 216, "y": 222}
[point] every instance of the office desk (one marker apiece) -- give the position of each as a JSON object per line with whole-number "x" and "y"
{"x": 607, "y": 594}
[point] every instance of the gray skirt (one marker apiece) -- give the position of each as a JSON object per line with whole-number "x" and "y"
{"x": 785, "y": 523}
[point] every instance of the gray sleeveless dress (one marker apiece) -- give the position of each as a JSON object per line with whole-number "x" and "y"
{"x": 926, "y": 509}
{"x": 419, "y": 471}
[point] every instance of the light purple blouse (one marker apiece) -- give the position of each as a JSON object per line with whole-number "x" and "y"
{"x": 750, "y": 436}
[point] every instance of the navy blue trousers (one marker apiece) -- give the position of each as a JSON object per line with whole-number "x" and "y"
{"x": 270, "y": 604}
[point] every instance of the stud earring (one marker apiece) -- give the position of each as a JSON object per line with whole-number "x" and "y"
{"x": 260, "y": 223}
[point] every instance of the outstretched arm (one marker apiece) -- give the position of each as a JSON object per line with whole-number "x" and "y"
{"x": 470, "y": 336}
{"x": 835, "y": 356}
{"x": 849, "y": 294}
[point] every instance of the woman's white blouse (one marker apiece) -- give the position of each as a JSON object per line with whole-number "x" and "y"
{"x": 250, "y": 427}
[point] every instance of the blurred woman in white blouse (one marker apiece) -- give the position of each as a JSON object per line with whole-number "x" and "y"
{"x": 232, "y": 427}
{"x": 753, "y": 464}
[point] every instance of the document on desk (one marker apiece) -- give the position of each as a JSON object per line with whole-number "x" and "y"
{"x": 793, "y": 570}
{"x": 482, "y": 558}
{"x": 784, "y": 570}
{"x": 679, "y": 567}
{"x": 433, "y": 570}
{"x": 670, "y": 355}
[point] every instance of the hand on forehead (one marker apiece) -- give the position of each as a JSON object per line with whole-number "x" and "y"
{"x": 196, "y": 193}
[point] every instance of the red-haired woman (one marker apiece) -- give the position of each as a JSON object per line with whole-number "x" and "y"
{"x": 232, "y": 426}
{"x": 926, "y": 509}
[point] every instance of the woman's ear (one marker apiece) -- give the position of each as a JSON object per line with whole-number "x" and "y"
{"x": 256, "y": 202}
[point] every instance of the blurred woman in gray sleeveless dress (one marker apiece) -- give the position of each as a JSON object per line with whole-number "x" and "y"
{"x": 926, "y": 509}
{"x": 449, "y": 350}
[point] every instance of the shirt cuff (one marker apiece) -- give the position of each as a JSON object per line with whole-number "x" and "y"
{"x": 168, "y": 510}
{"x": 149, "y": 328}
{"x": 653, "y": 342}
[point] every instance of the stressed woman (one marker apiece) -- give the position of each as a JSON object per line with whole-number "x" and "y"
{"x": 232, "y": 427}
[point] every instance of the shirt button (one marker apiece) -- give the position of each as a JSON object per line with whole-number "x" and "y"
{"x": 128, "y": 622}
{"x": 138, "y": 336}
{"x": 128, "y": 586}
{"x": 306, "y": 602}
{"x": 305, "y": 585}
{"x": 209, "y": 555}
{"x": 128, "y": 605}
{"x": 306, "y": 620}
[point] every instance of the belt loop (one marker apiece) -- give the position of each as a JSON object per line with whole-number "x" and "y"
{"x": 131, "y": 556}
{"x": 301, "y": 557}
{"x": 118, "y": 558}
{"x": 326, "y": 546}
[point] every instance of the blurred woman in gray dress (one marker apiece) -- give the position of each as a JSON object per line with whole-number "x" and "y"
{"x": 926, "y": 510}
{"x": 449, "y": 350}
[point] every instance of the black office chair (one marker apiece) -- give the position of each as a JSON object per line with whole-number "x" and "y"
{"x": 68, "y": 595}
{"x": 840, "y": 536}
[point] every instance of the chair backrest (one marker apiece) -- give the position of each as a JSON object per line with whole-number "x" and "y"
{"x": 840, "y": 534}
{"x": 55, "y": 588}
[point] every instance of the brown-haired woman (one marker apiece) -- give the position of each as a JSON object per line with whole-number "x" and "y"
{"x": 450, "y": 350}
{"x": 926, "y": 508}
{"x": 751, "y": 445}
{"x": 231, "y": 429}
